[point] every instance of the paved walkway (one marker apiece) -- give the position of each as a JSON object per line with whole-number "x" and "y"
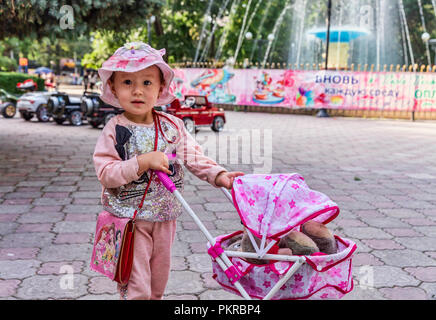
{"x": 382, "y": 174}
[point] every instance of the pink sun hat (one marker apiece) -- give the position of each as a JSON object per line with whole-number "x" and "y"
{"x": 132, "y": 57}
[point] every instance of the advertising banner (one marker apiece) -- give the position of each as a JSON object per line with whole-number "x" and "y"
{"x": 296, "y": 89}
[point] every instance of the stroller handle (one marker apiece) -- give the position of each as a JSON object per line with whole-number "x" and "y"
{"x": 166, "y": 181}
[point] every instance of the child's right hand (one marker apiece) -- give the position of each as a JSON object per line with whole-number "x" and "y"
{"x": 155, "y": 160}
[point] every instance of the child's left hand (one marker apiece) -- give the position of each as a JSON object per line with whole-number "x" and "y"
{"x": 225, "y": 178}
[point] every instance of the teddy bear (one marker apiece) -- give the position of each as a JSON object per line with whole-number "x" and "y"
{"x": 313, "y": 237}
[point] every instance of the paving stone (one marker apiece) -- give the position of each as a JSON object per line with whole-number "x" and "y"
{"x": 430, "y": 289}
{"x": 18, "y": 253}
{"x": 53, "y": 287}
{"x": 429, "y": 231}
{"x": 102, "y": 285}
{"x": 73, "y": 237}
{"x": 383, "y": 244}
{"x": 60, "y": 267}
{"x": 402, "y": 232}
{"x": 402, "y": 213}
{"x": 219, "y": 206}
{"x": 89, "y": 209}
{"x": 13, "y": 209}
{"x": 366, "y": 233}
{"x": 7, "y": 228}
{"x": 65, "y": 252}
{"x": 404, "y": 293}
{"x": 182, "y": 282}
{"x": 427, "y": 274}
{"x": 180, "y": 249}
{"x": 180, "y": 297}
{"x": 35, "y": 217}
{"x": 199, "y": 262}
{"x": 388, "y": 276}
{"x": 18, "y": 269}
{"x": 34, "y": 227}
{"x": 8, "y": 287}
{"x": 418, "y": 243}
{"x": 365, "y": 259}
{"x": 219, "y": 295}
{"x": 178, "y": 263}
{"x": 75, "y": 226}
{"x": 386, "y": 222}
{"x": 26, "y": 240}
{"x": 103, "y": 297}
{"x": 404, "y": 258}
{"x": 359, "y": 293}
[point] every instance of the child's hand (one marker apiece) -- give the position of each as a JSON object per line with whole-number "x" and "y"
{"x": 225, "y": 179}
{"x": 155, "y": 160}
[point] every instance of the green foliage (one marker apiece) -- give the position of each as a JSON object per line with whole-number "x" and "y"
{"x": 100, "y": 27}
{"x": 7, "y": 64}
{"x": 9, "y": 80}
{"x": 43, "y": 18}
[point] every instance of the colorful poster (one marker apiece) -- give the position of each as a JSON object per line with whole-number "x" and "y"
{"x": 392, "y": 91}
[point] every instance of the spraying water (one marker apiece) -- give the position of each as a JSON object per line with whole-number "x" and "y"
{"x": 241, "y": 34}
{"x": 203, "y": 29}
{"x": 210, "y": 37}
{"x": 301, "y": 33}
{"x": 259, "y": 34}
{"x": 406, "y": 29}
{"x": 274, "y": 32}
{"x": 427, "y": 49}
{"x": 223, "y": 38}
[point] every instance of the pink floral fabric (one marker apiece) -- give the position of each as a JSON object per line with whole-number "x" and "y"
{"x": 275, "y": 204}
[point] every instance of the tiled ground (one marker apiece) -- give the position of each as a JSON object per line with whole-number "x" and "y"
{"x": 382, "y": 174}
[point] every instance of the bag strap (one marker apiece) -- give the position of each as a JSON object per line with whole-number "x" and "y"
{"x": 156, "y": 134}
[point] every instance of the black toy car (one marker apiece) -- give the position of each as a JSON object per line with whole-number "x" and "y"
{"x": 96, "y": 110}
{"x": 63, "y": 107}
{"x": 8, "y": 104}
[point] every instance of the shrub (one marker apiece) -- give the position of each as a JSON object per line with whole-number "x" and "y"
{"x": 9, "y": 80}
{"x": 7, "y": 64}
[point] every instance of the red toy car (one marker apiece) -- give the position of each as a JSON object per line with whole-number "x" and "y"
{"x": 196, "y": 111}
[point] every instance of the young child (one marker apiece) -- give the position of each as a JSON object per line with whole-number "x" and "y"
{"x": 134, "y": 143}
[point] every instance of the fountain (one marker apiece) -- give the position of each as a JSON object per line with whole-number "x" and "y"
{"x": 363, "y": 32}
{"x": 340, "y": 38}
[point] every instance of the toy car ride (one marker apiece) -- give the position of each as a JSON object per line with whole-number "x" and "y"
{"x": 63, "y": 107}
{"x": 197, "y": 111}
{"x": 34, "y": 103}
{"x": 96, "y": 110}
{"x": 8, "y": 104}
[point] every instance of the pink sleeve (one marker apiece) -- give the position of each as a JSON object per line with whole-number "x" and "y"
{"x": 112, "y": 172}
{"x": 191, "y": 153}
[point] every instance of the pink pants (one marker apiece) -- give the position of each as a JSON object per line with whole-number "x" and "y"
{"x": 151, "y": 261}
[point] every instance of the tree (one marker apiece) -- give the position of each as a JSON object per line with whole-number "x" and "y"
{"x": 49, "y": 18}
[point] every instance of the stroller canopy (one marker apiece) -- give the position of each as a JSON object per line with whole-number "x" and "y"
{"x": 272, "y": 205}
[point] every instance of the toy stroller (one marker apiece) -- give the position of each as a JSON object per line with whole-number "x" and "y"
{"x": 271, "y": 206}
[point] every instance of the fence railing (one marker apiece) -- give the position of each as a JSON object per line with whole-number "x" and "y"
{"x": 310, "y": 66}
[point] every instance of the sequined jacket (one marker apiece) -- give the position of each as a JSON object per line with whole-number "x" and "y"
{"x": 120, "y": 142}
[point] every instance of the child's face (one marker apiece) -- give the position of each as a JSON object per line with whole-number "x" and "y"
{"x": 138, "y": 91}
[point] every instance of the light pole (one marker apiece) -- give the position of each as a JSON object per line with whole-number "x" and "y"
{"x": 432, "y": 43}
{"x": 150, "y": 20}
{"x": 322, "y": 113}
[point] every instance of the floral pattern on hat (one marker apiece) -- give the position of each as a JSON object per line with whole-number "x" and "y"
{"x": 132, "y": 57}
